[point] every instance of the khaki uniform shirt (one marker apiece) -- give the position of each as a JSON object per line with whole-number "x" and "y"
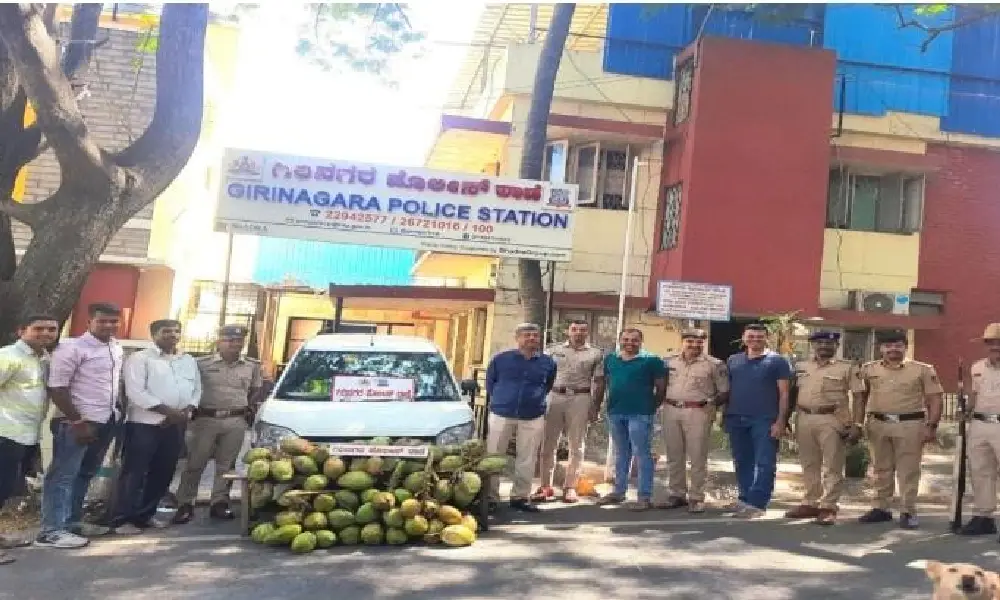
{"x": 986, "y": 386}
{"x": 576, "y": 368}
{"x": 226, "y": 386}
{"x": 700, "y": 380}
{"x": 827, "y": 383}
{"x": 901, "y": 389}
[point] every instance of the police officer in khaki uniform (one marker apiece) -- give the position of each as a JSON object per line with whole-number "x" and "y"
{"x": 579, "y": 375}
{"x": 904, "y": 408}
{"x": 824, "y": 426}
{"x": 984, "y": 435}
{"x": 230, "y": 384}
{"x": 697, "y": 383}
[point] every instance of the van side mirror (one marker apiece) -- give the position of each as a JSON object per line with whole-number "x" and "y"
{"x": 470, "y": 387}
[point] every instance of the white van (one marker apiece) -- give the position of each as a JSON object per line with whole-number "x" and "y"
{"x": 345, "y": 387}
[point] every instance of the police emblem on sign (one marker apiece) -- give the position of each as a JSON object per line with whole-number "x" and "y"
{"x": 559, "y": 197}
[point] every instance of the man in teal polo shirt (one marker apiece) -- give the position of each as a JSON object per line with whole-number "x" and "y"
{"x": 637, "y": 384}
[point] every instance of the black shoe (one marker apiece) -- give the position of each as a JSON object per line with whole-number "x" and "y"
{"x": 184, "y": 514}
{"x": 979, "y": 526}
{"x": 908, "y": 521}
{"x": 221, "y": 511}
{"x": 875, "y": 515}
{"x": 524, "y": 506}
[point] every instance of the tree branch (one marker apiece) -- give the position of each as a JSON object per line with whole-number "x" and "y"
{"x": 36, "y": 59}
{"x": 164, "y": 148}
{"x": 82, "y": 39}
{"x": 25, "y": 213}
{"x": 933, "y": 31}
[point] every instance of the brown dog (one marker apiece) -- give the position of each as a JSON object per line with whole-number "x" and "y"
{"x": 960, "y": 581}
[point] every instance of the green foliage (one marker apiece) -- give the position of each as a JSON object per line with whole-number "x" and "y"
{"x": 366, "y": 38}
{"x": 930, "y": 9}
{"x": 856, "y": 466}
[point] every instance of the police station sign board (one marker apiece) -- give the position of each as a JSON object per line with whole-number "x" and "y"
{"x": 698, "y": 301}
{"x": 351, "y": 202}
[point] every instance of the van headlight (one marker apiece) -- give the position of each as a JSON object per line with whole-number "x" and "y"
{"x": 270, "y": 436}
{"x": 455, "y": 435}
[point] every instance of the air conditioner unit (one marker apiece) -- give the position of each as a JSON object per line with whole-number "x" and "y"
{"x": 894, "y": 303}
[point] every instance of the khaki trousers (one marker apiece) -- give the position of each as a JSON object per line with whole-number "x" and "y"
{"x": 685, "y": 435}
{"x": 568, "y": 415}
{"x": 983, "y": 450}
{"x": 529, "y": 434}
{"x": 822, "y": 453}
{"x": 211, "y": 439}
{"x": 896, "y": 449}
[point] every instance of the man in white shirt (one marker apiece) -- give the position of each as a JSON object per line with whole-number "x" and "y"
{"x": 163, "y": 386}
{"x": 22, "y": 401}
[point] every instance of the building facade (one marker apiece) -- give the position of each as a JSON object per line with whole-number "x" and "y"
{"x": 824, "y": 164}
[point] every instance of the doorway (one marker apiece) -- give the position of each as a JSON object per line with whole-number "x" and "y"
{"x": 724, "y": 339}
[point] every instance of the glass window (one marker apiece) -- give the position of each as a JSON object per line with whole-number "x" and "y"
{"x": 310, "y": 375}
{"x": 864, "y": 202}
{"x": 586, "y": 174}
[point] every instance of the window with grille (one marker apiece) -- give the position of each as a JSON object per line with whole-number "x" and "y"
{"x": 671, "y": 217}
{"x": 682, "y": 94}
{"x": 602, "y": 171}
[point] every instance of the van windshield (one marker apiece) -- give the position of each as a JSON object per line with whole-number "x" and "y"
{"x": 319, "y": 375}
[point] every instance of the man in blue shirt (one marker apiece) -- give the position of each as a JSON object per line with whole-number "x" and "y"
{"x": 517, "y": 383}
{"x": 637, "y": 384}
{"x": 755, "y": 419}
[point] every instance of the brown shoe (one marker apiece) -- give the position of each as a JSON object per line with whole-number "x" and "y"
{"x": 826, "y": 516}
{"x": 803, "y": 511}
{"x": 184, "y": 514}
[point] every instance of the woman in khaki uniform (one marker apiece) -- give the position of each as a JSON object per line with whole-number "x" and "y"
{"x": 904, "y": 408}
{"x": 984, "y": 435}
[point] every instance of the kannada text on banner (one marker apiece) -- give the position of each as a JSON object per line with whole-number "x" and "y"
{"x": 351, "y": 202}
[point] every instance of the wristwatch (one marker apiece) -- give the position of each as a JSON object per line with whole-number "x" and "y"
{"x": 931, "y": 425}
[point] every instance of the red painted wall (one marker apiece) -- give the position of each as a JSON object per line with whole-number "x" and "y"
{"x": 754, "y": 163}
{"x": 960, "y": 255}
{"x": 107, "y": 283}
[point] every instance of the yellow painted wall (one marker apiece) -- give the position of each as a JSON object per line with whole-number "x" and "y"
{"x": 152, "y": 300}
{"x": 861, "y": 260}
{"x": 475, "y": 270}
{"x": 581, "y": 77}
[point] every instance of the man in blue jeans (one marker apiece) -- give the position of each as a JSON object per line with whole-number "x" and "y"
{"x": 755, "y": 419}
{"x": 637, "y": 384}
{"x": 84, "y": 380}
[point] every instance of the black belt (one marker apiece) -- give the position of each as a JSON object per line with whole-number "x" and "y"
{"x": 819, "y": 410}
{"x": 561, "y": 389}
{"x": 219, "y": 413}
{"x": 897, "y": 417}
{"x": 688, "y": 404}
{"x": 986, "y": 417}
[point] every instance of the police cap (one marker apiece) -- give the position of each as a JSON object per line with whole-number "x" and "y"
{"x": 232, "y": 331}
{"x": 891, "y": 336}
{"x": 695, "y": 334}
{"x": 832, "y": 336}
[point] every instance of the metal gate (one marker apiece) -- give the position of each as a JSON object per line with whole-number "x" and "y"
{"x": 200, "y": 317}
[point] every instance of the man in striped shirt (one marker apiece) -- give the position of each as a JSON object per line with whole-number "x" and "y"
{"x": 23, "y": 367}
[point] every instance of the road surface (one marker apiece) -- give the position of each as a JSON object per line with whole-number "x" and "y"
{"x": 581, "y": 552}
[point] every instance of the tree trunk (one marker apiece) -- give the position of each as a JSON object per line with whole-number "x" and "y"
{"x": 530, "y": 288}
{"x": 99, "y": 191}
